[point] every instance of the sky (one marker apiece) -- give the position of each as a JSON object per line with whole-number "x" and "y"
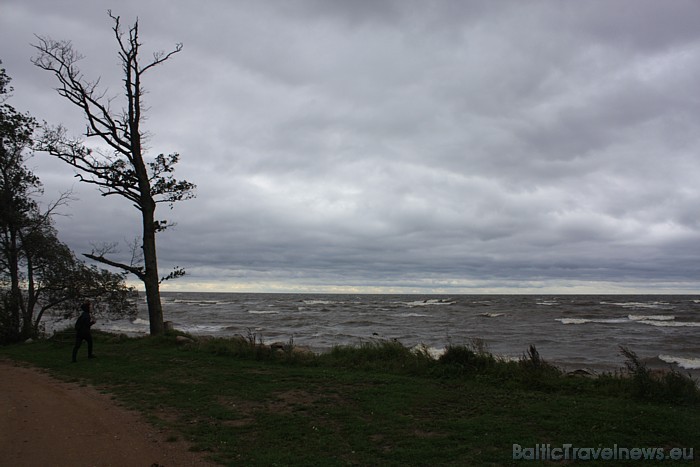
{"x": 396, "y": 146}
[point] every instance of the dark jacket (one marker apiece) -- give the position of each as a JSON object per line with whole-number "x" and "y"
{"x": 84, "y": 322}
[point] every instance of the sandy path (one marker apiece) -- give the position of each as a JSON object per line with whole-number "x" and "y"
{"x": 44, "y": 421}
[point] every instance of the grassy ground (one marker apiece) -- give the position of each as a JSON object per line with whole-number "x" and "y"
{"x": 371, "y": 405}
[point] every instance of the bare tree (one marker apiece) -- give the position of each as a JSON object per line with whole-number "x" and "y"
{"x": 122, "y": 169}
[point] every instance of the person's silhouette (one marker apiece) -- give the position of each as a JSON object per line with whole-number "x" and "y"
{"x": 82, "y": 330}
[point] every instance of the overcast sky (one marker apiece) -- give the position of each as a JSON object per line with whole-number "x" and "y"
{"x": 398, "y": 146}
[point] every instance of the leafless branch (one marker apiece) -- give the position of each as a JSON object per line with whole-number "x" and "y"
{"x": 137, "y": 271}
{"x": 136, "y": 251}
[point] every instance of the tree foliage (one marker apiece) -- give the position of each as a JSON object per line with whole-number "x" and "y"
{"x": 16, "y": 184}
{"x": 124, "y": 169}
{"x": 38, "y": 272}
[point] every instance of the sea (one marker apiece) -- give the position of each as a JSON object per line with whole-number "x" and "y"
{"x": 571, "y": 331}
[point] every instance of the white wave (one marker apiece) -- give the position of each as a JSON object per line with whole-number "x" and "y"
{"x": 683, "y": 362}
{"x": 586, "y": 321}
{"x": 672, "y": 324}
{"x": 645, "y": 305}
{"x": 573, "y": 320}
{"x": 200, "y": 328}
{"x": 651, "y": 318}
{"x": 432, "y": 351}
{"x": 129, "y": 331}
{"x": 432, "y": 301}
{"x": 507, "y": 358}
{"x": 318, "y": 302}
{"x": 410, "y": 315}
{"x": 612, "y": 321}
{"x": 304, "y": 311}
{"x": 197, "y": 302}
{"x": 491, "y": 315}
{"x": 136, "y": 327}
{"x": 263, "y": 312}
{"x": 547, "y": 303}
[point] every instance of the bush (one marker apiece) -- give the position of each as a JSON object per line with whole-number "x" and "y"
{"x": 236, "y": 347}
{"x": 384, "y": 355}
{"x": 536, "y": 373}
{"x": 672, "y": 386}
{"x": 467, "y": 359}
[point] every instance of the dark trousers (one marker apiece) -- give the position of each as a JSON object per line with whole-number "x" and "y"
{"x": 79, "y": 338}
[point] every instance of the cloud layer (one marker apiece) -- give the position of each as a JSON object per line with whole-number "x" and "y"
{"x": 402, "y": 146}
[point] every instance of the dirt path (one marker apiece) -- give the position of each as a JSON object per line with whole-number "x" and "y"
{"x": 44, "y": 421}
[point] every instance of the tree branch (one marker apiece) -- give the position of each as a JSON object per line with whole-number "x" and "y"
{"x": 112, "y": 175}
{"x": 60, "y": 58}
{"x": 174, "y": 274}
{"x": 137, "y": 271}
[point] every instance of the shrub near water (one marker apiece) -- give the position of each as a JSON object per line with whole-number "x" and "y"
{"x": 379, "y": 355}
{"x": 465, "y": 359}
{"x": 531, "y": 371}
{"x": 672, "y": 386}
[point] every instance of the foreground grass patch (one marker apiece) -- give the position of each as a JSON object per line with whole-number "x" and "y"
{"x": 378, "y": 404}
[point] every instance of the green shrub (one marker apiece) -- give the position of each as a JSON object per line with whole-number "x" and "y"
{"x": 671, "y": 386}
{"x": 536, "y": 373}
{"x": 680, "y": 388}
{"x": 466, "y": 359}
{"x": 384, "y": 355}
{"x": 236, "y": 347}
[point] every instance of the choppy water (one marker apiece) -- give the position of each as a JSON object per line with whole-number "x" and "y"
{"x": 574, "y": 331}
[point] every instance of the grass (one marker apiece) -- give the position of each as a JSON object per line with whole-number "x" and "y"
{"x": 375, "y": 404}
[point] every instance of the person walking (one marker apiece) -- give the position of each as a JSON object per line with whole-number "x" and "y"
{"x": 82, "y": 330}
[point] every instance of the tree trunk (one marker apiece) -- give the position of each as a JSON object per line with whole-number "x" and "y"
{"x": 28, "y": 329}
{"x": 151, "y": 279}
{"x": 15, "y": 291}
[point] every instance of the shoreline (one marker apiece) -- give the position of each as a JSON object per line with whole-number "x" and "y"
{"x": 657, "y": 366}
{"x": 655, "y": 363}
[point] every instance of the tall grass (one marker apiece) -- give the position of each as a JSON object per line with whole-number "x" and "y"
{"x": 473, "y": 360}
{"x": 383, "y": 355}
{"x": 668, "y": 386}
{"x": 531, "y": 371}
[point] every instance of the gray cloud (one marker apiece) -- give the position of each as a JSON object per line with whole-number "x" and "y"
{"x": 403, "y": 146}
